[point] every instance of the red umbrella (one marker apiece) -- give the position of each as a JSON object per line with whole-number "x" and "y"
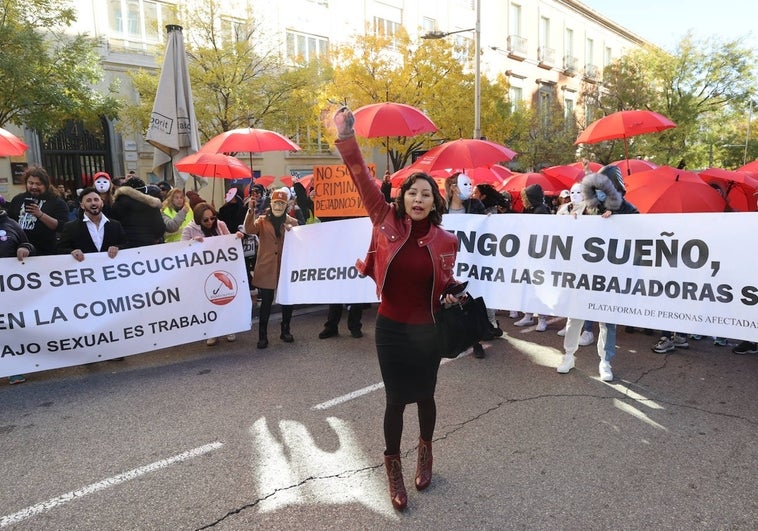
{"x": 463, "y": 153}
{"x": 669, "y": 190}
{"x": 439, "y": 176}
{"x": 624, "y": 124}
{"x": 213, "y": 165}
{"x": 265, "y": 180}
{"x": 518, "y": 181}
{"x": 570, "y": 173}
{"x": 737, "y": 187}
{"x": 248, "y": 140}
{"x": 630, "y": 166}
{"x": 10, "y": 144}
{"x": 391, "y": 119}
{"x": 750, "y": 166}
{"x": 493, "y": 175}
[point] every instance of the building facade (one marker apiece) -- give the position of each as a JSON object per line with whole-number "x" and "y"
{"x": 544, "y": 47}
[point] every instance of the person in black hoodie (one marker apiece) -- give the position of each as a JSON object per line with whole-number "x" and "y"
{"x": 139, "y": 213}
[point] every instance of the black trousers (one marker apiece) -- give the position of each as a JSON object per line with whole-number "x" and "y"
{"x": 354, "y": 315}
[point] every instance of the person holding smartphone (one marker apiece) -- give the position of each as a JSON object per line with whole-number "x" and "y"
{"x": 39, "y": 210}
{"x": 411, "y": 259}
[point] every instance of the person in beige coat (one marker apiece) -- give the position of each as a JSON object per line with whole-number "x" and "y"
{"x": 270, "y": 227}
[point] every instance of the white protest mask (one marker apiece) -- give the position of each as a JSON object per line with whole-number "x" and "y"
{"x": 576, "y": 192}
{"x": 464, "y": 186}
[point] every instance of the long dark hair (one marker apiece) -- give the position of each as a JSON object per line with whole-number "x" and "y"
{"x": 435, "y": 216}
{"x": 198, "y": 212}
{"x": 40, "y": 173}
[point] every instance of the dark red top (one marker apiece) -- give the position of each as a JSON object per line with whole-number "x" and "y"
{"x": 408, "y": 286}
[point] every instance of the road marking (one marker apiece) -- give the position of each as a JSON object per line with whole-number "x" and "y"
{"x": 366, "y": 390}
{"x": 104, "y": 484}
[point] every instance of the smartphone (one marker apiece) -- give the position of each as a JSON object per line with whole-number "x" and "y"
{"x": 30, "y": 201}
{"x": 455, "y": 289}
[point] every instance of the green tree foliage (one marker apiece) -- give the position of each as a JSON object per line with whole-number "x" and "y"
{"x": 236, "y": 81}
{"x": 48, "y": 77}
{"x": 429, "y": 76}
{"x": 698, "y": 86}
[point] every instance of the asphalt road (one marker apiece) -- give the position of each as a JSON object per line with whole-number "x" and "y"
{"x": 234, "y": 438}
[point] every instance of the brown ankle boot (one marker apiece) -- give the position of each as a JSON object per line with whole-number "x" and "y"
{"x": 424, "y": 465}
{"x": 398, "y": 494}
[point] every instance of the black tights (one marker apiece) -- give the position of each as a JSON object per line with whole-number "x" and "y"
{"x": 267, "y": 300}
{"x": 393, "y": 423}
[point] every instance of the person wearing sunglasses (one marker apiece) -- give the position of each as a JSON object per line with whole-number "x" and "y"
{"x": 206, "y": 224}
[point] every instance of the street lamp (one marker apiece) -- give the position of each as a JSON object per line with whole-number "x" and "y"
{"x": 477, "y": 73}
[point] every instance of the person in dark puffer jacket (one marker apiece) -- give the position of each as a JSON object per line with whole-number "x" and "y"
{"x": 139, "y": 213}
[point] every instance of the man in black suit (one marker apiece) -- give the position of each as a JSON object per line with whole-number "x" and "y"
{"x": 93, "y": 232}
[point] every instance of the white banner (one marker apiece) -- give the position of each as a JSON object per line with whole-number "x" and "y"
{"x": 58, "y": 312}
{"x": 690, "y": 273}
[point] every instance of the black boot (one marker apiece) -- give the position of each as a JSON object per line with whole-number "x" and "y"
{"x": 262, "y": 337}
{"x": 285, "y": 335}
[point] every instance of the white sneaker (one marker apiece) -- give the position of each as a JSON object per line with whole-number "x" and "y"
{"x": 541, "y": 324}
{"x": 605, "y": 371}
{"x": 231, "y": 338}
{"x": 567, "y": 364}
{"x": 524, "y": 321}
{"x": 211, "y": 341}
{"x": 586, "y": 338}
{"x": 562, "y": 332}
{"x": 513, "y": 315}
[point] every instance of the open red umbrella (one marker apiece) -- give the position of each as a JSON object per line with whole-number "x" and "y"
{"x": 750, "y": 166}
{"x": 463, "y": 153}
{"x": 670, "y": 190}
{"x": 518, "y": 181}
{"x": 213, "y": 165}
{"x": 493, "y": 175}
{"x": 624, "y": 124}
{"x": 630, "y": 166}
{"x": 10, "y": 144}
{"x": 737, "y": 187}
{"x": 570, "y": 173}
{"x": 391, "y": 119}
{"x": 249, "y": 140}
{"x": 265, "y": 180}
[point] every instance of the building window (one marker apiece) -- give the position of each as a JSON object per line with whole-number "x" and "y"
{"x": 568, "y": 109}
{"x": 428, "y": 25}
{"x": 516, "y": 95}
{"x": 232, "y": 30}
{"x": 386, "y": 28}
{"x": 138, "y": 24}
{"x": 545, "y": 100}
{"x": 589, "y": 52}
{"x": 607, "y": 56}
{"x": 515, "y": 22}
{"x": 302, "y": 47}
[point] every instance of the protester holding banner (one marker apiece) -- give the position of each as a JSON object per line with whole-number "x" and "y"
{"x": 411, "y": 259}
{"x": 176, "y": 214}
{"x": 93, "y": 232}
{"x": 13, "y": 242}
{"x": 270, "y": 227}
{"x": 459, "y": 191}
{"x": 205, "y": 224}
{"x": 39, "y": 210}
{"x": 603, "y": 194}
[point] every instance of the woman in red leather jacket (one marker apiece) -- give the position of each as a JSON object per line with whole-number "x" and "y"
{"x": 411, "y": 260}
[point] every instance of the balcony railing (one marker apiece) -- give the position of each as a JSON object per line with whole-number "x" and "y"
{"x": 517, "y": 47}
{"x": 569, "y": 65}
{"x": 591, "y": 72}
{"x": 546, "y": 56}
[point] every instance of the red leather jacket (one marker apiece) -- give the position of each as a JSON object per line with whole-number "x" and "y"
{"x": 391, "y": 231}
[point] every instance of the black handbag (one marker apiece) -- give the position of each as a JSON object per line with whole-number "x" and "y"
{"x": 461, "y": 325}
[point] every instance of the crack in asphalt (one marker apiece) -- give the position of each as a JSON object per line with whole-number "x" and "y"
{"x": 454, "y": 428}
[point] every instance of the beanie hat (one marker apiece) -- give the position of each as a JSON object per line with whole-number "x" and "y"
{"x": 194, "y": 198}
{"x": 614, "y": 174}
{"x": 135, "y": 182}
{"x": 282, "y": 194}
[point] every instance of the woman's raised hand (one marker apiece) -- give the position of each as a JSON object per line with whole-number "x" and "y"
{"x": 344, "y": 121}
